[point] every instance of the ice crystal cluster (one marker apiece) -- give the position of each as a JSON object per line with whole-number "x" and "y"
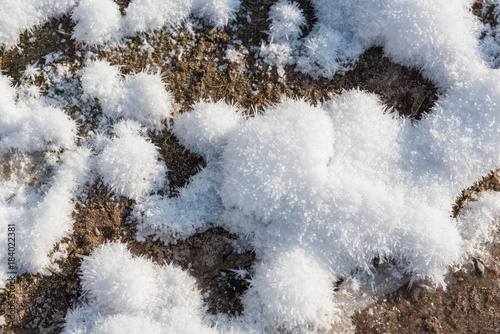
{"x": 316, "y": 191}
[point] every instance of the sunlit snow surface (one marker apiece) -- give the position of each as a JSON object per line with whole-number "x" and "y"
{"x": 318, "y": 192}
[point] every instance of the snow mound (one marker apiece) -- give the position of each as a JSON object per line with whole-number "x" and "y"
{"x": 130, "y": 164}
{"x": 147, "y": 93}
{"x": 336, "y": 186}
{"x": 293, "y": 291}
{"x": 125, "y": 290}
{"x": 101, "y": 80}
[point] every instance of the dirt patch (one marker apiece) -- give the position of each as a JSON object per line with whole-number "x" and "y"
{"x": 35, "y": 45}
{"x": 469, "y": 306}
{"x": 182, "y": 164}
{"x": 485, "y": 11}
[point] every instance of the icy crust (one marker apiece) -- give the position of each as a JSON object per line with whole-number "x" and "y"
{"x": 123, "y": 291}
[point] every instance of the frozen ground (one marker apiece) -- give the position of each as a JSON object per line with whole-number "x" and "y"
{"x": 296, "y": 161}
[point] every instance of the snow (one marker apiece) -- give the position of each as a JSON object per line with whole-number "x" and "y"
{"x": 490, "y": 44}
{"x": 326, "y": 182}
{"x": 100, "y": 22}
{"x": 475, "y": 222}
{"x": 235, "y": 56}
{"x": 217, "y": 12}
{"x": 287, "y": 20}
{"x": 413, "y": 33}
{"x": 179, "y": 217}
{"x": 146, "y": 15}
{"x": 316, "y": 191}
{"x": 291, "y": 291}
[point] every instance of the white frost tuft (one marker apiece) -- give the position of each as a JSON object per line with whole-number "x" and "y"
{"x": 293, "y": 291}
{"x": 42, "y": 220}
{"x": 141, "y": 97}
{"x": 125, "y": 290}
{"x": 97, "y": 21}
{"x": 129, "y": 164}
{"x": 147, "y": 15}
{"x": 205, "y": 129}
{"x": 217, "y": 12}
{"x": 287, "y": 20}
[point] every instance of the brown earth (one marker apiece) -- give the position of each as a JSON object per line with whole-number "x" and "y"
{"x": 470, "y": 305}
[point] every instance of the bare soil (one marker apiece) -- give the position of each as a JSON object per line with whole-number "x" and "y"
{"x": 472, "y": 305}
